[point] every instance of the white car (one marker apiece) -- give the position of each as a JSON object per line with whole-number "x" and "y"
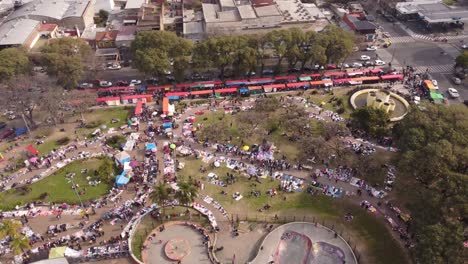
{"x": 434, "y": 82}
{"x": 379, "y": 62}
{"x": 135, "y": 82}
{"x": 365, "y": 57}
{"x": 356, "y": 65}
{"x": 343, "y": 65}
{"x": 167, "y": 72}
{"x": 386, "y": 34}
{"x": 105, "y": 84}
{"x": 371, "y": 48}
{"x": 464, "y": 46}
{"x": 114, "y": 67}
{"x": 453, "y": 92}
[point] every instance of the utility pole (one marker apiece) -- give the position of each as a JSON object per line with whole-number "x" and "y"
{"x": 26, "y": 124}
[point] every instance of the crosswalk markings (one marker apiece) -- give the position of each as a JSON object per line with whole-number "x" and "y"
{"x": 434, "y": 68}
{"x": 425, "y": 37}
{"x": 402, "y": 39}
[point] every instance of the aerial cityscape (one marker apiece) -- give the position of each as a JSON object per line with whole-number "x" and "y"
{"x": 234, "y": 131}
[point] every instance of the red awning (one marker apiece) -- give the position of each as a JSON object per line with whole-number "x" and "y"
{"x": 236, "y": 81}
{"x": 311, "y": 75}
{"x": 124, "y": 88}
{"x": 297, "y": 84}
{"x": 160, "y": 87}
{"x": 177, "y": 94}
{"x": 258, "y": 87}
{"x": 136, "y": 96}
{"x": 392, "y": 77}
{"x": 260, "y": 80}
{"x": 227, "y": 90}
{"x": 377, "y": 70}
{"x": 273, "y": 86}
{"x": 139, "y": 108}
{"x": 212, "y": 83}
{"x": 342, "y": 80}
{"x": 201, "y": 92}
{"x": 334, "y": 74}
{"x": 186, "y": 85}
{"x": 107, "y": 99}
{"x": 290, "y": 77}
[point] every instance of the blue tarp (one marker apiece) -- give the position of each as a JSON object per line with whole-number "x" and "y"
{"x": 150, "y": 146}
{"x": 173, "y": 97}
{"x": 21, "y": 131}
{"x": 244, "y": 90}
{"x": 167, "y": 125}
{"x": 121, "y": 180}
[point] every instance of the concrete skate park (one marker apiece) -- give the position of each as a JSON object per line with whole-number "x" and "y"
{"x": 304, "y": 243}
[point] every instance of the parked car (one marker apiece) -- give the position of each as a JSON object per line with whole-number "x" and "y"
{"x": 105, "y": 84}
{"x": 386, "y": 34}
{"x": 464, "y": 46}
{"x": 356, "y": 65}
{"x": 370, "y": 48}
{"x": 135, "y": 82}
{"x": 456, "y": 80}
{"x": 122, "y": 83}
{"x": 85, "y": 86}
{"x": 114, "y": 67}
{"x": 434, "y": 82}
{"x": 343, "y": 65}
{"x": 389, "y": 18}
{"x": 379, "y": 62}
{"x": 331, "y": 67}
{"x": 293, "y": 70}
{"x": 368, "y": 63}
{"x": 7, "y": 133}
{"x": 453, "y": 92}
{"x": 2, "y": 125}
{"x": 267, "y": 72}
{"x": 365, "y": 57}
{"x": 250, "y": 73}
{"x": 196, "y": 76}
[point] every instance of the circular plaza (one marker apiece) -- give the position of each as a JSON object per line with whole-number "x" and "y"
{"x": 176, "y": 241}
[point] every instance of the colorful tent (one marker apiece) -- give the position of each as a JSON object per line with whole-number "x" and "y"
{"x": 122, "y": 157}
{"x": 121, "y": 179}
{"x": 32, "y": 150}
{"x": 139, "y": 108}
{"x": 151, "y": 147}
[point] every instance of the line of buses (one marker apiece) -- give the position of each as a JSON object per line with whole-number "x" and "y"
{"x": 251, "y": 86}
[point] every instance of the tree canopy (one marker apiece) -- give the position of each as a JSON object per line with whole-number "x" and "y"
{"x": 65, "y": 60}
{"x": 434, "y": 153}
{"x": 13, "y": 62}
{"x": 462, "y": 59}
{"x": 370, "y": 120}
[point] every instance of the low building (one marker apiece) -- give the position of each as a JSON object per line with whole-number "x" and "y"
{"x": 150, "y": 17}
{"x": 70, "y": 14}
{"x": 20, "y": 32}
{"x": 230, "y": 16}
{"x": 125, "y": 36}
{"x": 432, "y": 12}
{"x": 361, "y": 26}
{"x": 106, "y": 39}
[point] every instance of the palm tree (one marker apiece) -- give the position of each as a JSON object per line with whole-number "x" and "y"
{"x": 9, "y": 228}
{"x": 19, "y": 243}
{"x": 160, "y": 195}
{"x": 186, "y": 193}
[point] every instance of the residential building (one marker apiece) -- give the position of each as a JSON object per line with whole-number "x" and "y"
{"x": 20, "y": 32}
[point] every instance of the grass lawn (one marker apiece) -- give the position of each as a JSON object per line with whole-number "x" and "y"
{"x": 104, "y": 116}
{"x": 58, "y": 188}
{"x": 148, "y": 223}
{"x": 380, "y": 246}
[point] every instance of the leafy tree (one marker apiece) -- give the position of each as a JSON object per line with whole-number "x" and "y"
{"x": 154, "y": 51}
{"x": 313, "y": 149}
{"x": 187, "y": 192}
{"x": 160, "y": 195}
{"x": 279, "y": 40}
{"x": 106, "y": 171}
{"x": 333, "y": 129}
{"x": 214, "y": 132}
{"x": 338, "y": 43}
{"x": 462, "y": 60}
{"x": 19, "y": 243}
{"x": 371, "y": 120}
{"x": 266, "y": 104}
{"x": 84, "y": 102}
{"x": 260, "y": 44}
{"x": 295, "y": 45}
{"x": 65, "y": 60}
{"x": 9, "y": 227}
{"x": 433, "y": 157}
{"x": 13, "y": 62}
{"x": 312, "y": 50}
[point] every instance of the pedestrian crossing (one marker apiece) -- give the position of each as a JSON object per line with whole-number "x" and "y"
{"x": 431, "y": 38}
{"x": 434, "y": 68}
{"x": 402, "y": 39}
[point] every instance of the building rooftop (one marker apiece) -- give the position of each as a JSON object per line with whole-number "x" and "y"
{"x": 294, "y": 11}
{"x": 48, "y": 27}
{"x": 134, "y": 4}
{"x": 361, "y": 25}
{"x": 212, "y": 13}
{"x": 257, "y": 3}
{"x": 434, "y": 11}
{"x": 227, "y": 4}
{"x": 266, "y": 11}
{"x": 16, "y": 32}
{"x": 246, "y": 12}
{"x": 107, "y": 35}
{"x": 55, "y": 9}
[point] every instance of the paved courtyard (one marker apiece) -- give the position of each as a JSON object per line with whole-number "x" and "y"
{"x": 197, "y": 252}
